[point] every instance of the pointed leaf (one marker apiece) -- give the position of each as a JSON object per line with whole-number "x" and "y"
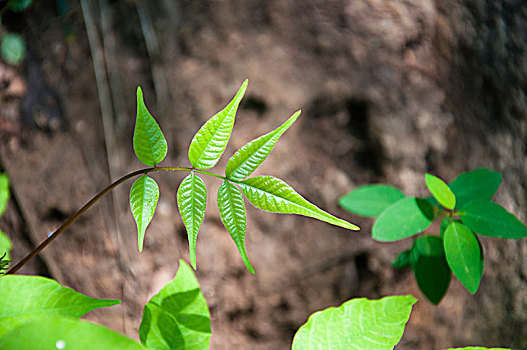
{"x": 250, "y": 156}
{"x": 490, "y": 219}
{"x": 370, "y": 200}
{"x": 232, "y": 213}
{"x": 53, "y": 332}
{"x": 177, "y": 317}
{"x": 191, "y": 202}
{"x": 274, "y": 195}
{"x": 403, "y": 219}
{"x": 477, "y": 184}
{"x": 403, "y": 259}
{"x": 430, "y": 268}
{"x": 440, "y": 191}
{"x": 210, "y": 141}
{"x": 150, "y": 145}
{"x": 4, "y": 192}
{"x": 144, "y": 195}
{"x": 357, "y": 324}
{"x": 462, "y": 252}
{"x": 27, "y": 298}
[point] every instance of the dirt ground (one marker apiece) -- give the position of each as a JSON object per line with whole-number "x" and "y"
{"x": 369, "y": 78}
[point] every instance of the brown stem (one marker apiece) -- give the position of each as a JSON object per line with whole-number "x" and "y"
{"x": 87, "y": 206}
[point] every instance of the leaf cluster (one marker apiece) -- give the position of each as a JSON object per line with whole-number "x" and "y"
{"x": 465, "y": 211}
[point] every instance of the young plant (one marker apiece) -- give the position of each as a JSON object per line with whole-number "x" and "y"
{"x": 465, "y": 210}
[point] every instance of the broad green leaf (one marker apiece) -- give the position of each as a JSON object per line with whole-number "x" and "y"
{"x": 403, "y": 219}
{"x": 232, "y": 213}
{"x": 430, "y": 267}
{"x": 28, "y": 298}
{"x": 477, "y": 184}
{"x": 55, "y": 333}
{"x": 403, "y": 259}
{"x": 478, "y": 348}
{"x": 150, "y": 145}
{"x": 440, "y": 191}
{"x": 191, "y": 202}
{"x": 144, "y": 195}
{"x": 210, "y": 141}
{"x": 274, "y": 195}
{"x": 490, "y": 219}
{"x": 444, "y": 225}
{"x": 357, "y": 324}
{"x": 177, "y": 317}
{"x": 370, "y": 200}
{"x": 13, "y": 48}
{"x": 4, "y": 192}
{"x": 463, "y": 255}
{"x": 250, "y": 156}
{"x": 19, "y": 5}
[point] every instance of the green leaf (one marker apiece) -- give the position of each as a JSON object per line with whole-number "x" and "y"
{"x": 28, "y": 298}
{"x": 210, "y": 141}
{"x": 144, "y": 195}
{"x": 274, "y": 195}
{"x": 444, "y": 225}
{"x": 150, "y": 145}
{"x": 177, "y": 317}
{"x": 403, "y": 259}
{"x": 52, "y": 333}
{"x": 403, "y": 219}
{"x": 430, "y": 267}
{"x": 4, "y": 192}
{"x": 19, "y": 5}
{"x": 191, "y": 202}
{"x": 357, "y": 324}
{"x": 370, "y": 200}
{"x": 13, "y": 48}
{"x": 5, "y": 248}
{"x": 232, "y": 213}
{"x": 490, "y": 219}
{"x": 440, "y": 191}
{"x": 477, "y": 184}
{"x": 250, "y": 156}
{"x": 463, "y": 255}
{"x": 478, "y": 348}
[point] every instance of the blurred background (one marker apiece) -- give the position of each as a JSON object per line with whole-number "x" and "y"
{"x": 389, "y": 90}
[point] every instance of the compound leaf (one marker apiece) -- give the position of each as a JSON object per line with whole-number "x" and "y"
{"x": 370, "y": 200}
{"x": 357, "y": 324}
{"x": 403, "y": 219}
{"x": 4, "y": 192}
{"x": 430, "y": 267}
{"x": 250, "y": 156}
{"x": 28, "y": 298}
{"x": 232, "y": 213}
{"x": 490, "y": 219}
{"x": 144, "y": 195}
{"x": 210, "y": 141}
{"x": 440, "y": 191}
{"x": 177, "y": 317}
{"x": 477, "y": 184}
{"x": 150, "y": 145}
{"x": 463, "y": 254}
{"x": 274, "y": 195}
{"x": 64, "y": 333}
{"x": 191, "y": 202}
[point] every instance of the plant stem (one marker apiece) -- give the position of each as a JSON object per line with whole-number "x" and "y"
{"x": 94, "y": 200}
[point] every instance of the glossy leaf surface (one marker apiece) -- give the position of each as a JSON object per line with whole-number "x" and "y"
{"x": 150, "y": 145}
{"x": 232, "y": 213}
{"x": 144, "y": 195}
{"x": 431, "y": 269}
{"x": 191, "y": 202}
{"x": 210, "y": 141}
{"x": 177, "y": 317}
{"x": 28, "y": 298}
{"x": 56, "y": 333}
{"x": 357, "y": 324}
{"x": 463, "y": 255}
{"x": 403, "y": 219}
{"x": 370, "y": 200}
{"x": 490, "y": 219}
{"x": 441, "y": 192}
{"x": 477, "y": 184}
{"x": 274, "y": 195}
{"x": 4, "y": 192}
{"x": 250, "y": 156}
